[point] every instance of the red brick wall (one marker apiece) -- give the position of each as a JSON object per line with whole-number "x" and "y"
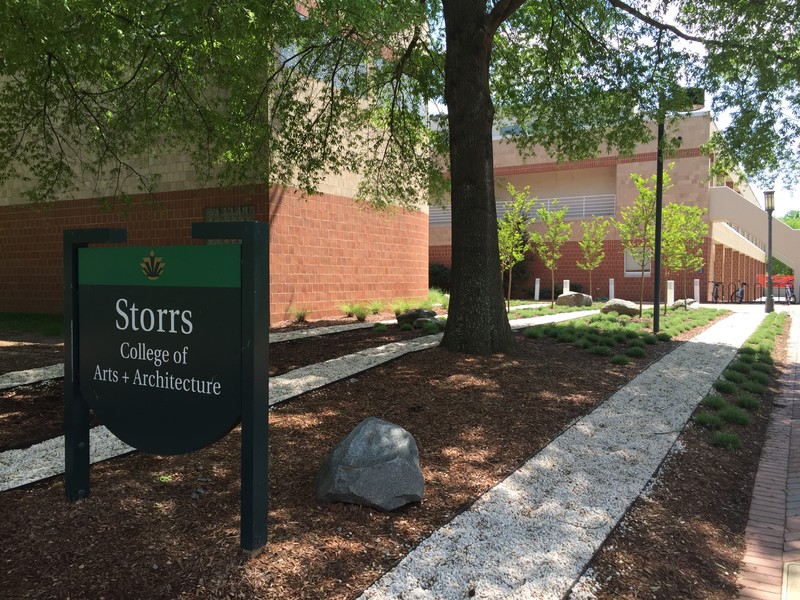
{"x": 324, "y": 250}
{"x": 440, "y": 254}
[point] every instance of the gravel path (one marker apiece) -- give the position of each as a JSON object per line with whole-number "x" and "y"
{"x": 20, "y": 467}
{"x": 532, "y": 535}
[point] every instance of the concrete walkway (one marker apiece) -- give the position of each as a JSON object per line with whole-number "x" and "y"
{"x": 771, "y": 566}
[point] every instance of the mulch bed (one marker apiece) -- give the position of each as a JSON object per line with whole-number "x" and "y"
{"x": 167, "y": 527}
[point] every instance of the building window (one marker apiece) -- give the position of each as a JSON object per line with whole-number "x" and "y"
{"x": 633, "y": 263}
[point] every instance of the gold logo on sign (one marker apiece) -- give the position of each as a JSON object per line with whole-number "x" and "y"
{"x": 152, "y": 266}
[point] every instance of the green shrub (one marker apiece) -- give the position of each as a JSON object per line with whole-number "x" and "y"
{"x": 765, "y": 358}
{"x": 636, "y": 352}
{"x": 347, "y": 309}
{"x": 754, "y": 387}
{"x": 734, "y": 376}
{"x": 747, "y": 401}
{"x": 727, "y": 440}
{"x": 360, "y": 312}
{"x": 406, "y": 327}
{"x": 663, "y": 336}
{"x": 439, "y": 276}
{"x": 746, "y": 357}
{"x": 430, "y": 328}
{"x": 583, "y": 343}
{"x": 732, "y": 414}
{"x": 620, "y": 359}
{"x": 534, "y": 332}
{"x": 300, "y": 314}
{"x": 638, "y": 342}
{"x": 724, "y": 386}
{"x": 650, "y": 338}
{"x": 762, "y": 368}
{"x": 380, "y": 327}
{"x": 707, "y": 420}
{"x": 747, "y": 350}
{"x": 714, "y": 402}
{"x": 601, "y": 350}
{"x": 375, "y": 307}
{"x": 761, "y": 378}
{"x": 740, "y": 366}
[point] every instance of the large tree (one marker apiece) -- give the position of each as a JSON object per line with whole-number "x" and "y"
{"x": 257, "y": 92}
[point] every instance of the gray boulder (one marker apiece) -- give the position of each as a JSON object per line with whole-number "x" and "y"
{"x": 420, "y": 323}
{"x": 574, "y": 299}
{"x": 622, "y": 307}
{"x": 376, "y": 465}
{"x": 413, "y": 315}
{"x": 686, "y": 302}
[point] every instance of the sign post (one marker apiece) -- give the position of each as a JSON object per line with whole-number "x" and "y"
{"x": 171, "y": 352}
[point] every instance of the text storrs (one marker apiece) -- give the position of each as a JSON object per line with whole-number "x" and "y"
{"x": 159, "y": 320}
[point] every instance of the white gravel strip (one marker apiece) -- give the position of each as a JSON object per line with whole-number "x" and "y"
{"x": 532, "y": 535}
{"x": 21, "y": 467}
{"x": 29, "y": 376}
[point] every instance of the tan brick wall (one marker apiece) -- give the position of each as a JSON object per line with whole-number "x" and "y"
{"x": 324, "y": 250}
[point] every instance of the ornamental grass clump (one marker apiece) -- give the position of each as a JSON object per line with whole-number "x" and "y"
{"x": 734, "y": 376}
{"x": 380, "y": 327}
{"x": 347, "y": 309}
{"x": 300, "y": 314}
{"x": 713, "y": 401}
{"x": 741, "y": 366}
{"x": 535, "y": 333}
{"x": 762, "y": 368}
{"x": 430, "y": 327}
{"x": 375, "y": 307}
{"x": 707, "y": 420}
{"x": 600, "y": 350}
{"x": 360, "y": 312}
{"x": 636, "y": 352}
{"x": 747, "y": 401}
{"x": 754, "y": 387}
{"x": 724, "y": 386}
{"x": 724, "y": 439}
{"x": 733, "y": 414}
{"x": 620, "y": 359}
{"x": 760, "y": 377}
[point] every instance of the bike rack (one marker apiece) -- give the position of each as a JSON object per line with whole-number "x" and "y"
{"x": 758, "y": 291}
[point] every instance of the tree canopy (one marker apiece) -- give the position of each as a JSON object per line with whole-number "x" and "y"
{"x": 97, "y": 91}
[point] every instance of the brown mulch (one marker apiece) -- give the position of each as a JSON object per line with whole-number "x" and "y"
{"x": 168, "y": 527}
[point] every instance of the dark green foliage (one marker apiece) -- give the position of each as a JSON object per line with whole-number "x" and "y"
{"x": 740, "y": 366}
{"x": 640, "y": 342}
{"x": 406, "y": 327}
{"x": 601, "y": 350}
{"x": 439, "y": 276}
{"x": 747, "y": 401}
{"x": 636, "y": 352}
{"x": 714, "y": 402}
{"x": 708, "y": 420}
{"x": 760, "y": 377}
{"x": 360, "y": 312}
{"x": 566, "y": 336}
{"x": 762, "y": 368}
{"x": 583, "y": 343}
{"x": 754, "y": 387}
{"x": 534, "y": 332}
{"x": 724, "y": 386}
{"x": 430, "y": 328}
{"x": 727, "y": 440}
{"x": 663, "y": 336}
{"x": 620, "y": 359}
{"x": 649, "y": 338}
{"x": 52, "y": 325}
{"x": 734, "y": 376}
{"x": 732, "y": 414}
{"x": 379, "y": 327}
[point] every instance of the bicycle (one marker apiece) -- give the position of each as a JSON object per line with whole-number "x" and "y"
{"x": 788, "y": 294}
{"x": 715, "y": 291}
{"x": 738, "y": 294}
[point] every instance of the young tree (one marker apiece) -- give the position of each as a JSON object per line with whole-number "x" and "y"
{"x": 548, "y": 244}
{"x": 512, "y": 232}
{"x": 637, "y": 225}
{"x": 594, "y": 234}
{"x": 682, "y": 236}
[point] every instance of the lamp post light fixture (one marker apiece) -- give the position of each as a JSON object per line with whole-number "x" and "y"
{"x": 769, "y": 205}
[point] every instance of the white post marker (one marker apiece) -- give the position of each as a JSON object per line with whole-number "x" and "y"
{"x": 611, "y": 288}
{"x": 670, "y": 292}
{"x": 697, "y": 291}
{"x": 536, "y": 286}
{"x": 566, "y": 286}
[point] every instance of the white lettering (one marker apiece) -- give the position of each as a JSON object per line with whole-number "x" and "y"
{"x": 144, "y": 319}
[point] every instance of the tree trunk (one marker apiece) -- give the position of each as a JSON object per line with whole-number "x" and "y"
{"x": 477, "y": 322}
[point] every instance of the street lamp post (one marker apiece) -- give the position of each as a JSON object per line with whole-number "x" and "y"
{"x": 692, "y": 99}
{"x": 769, "y": 205}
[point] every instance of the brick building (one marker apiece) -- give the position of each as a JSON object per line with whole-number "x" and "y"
{"x": 734, "y": 249}
{"x": 325, "y": 250}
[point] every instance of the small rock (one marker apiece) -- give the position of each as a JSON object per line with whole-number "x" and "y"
{"x": 622, "y": 307}
{"x": 412, "y": 315}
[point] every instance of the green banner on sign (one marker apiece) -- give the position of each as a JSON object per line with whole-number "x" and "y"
{"x": 215, "y": 266}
